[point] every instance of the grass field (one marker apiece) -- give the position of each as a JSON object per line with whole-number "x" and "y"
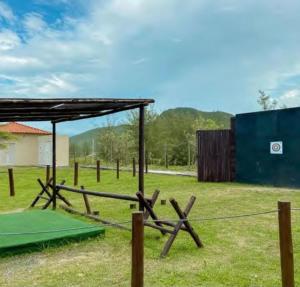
{"x": 239, "y": 252}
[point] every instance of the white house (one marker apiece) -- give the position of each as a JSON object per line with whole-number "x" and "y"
{"x": 32, "y": 147}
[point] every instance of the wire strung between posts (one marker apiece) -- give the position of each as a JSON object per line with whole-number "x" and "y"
{"x": 217, "y": 218}
{"x": 158, "y": 220}
{"x": 296, "y": 209}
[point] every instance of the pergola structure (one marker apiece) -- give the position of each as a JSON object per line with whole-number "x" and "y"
{"x": 70, "y": 109}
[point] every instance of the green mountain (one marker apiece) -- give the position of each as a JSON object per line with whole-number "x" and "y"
{"x": 90, "y": 135}
{"x": 221, "y": 118}
{"x": 187, "y": 114}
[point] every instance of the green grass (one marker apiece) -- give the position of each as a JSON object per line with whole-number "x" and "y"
{"x": 239, "y": 252}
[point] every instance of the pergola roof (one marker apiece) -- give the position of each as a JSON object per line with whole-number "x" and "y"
{"x": 61, "y": 110}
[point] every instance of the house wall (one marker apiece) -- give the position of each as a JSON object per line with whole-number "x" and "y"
{"x": 62, "y": 149}
{"x": 27, "y": 150}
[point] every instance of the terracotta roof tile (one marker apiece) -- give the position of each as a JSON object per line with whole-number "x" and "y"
{"x": 17, "y": 128}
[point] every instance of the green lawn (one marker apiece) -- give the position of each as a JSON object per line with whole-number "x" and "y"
{"x": 239, "y": 252}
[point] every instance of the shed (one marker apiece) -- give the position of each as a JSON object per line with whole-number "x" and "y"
{"x": 31, "y": 146}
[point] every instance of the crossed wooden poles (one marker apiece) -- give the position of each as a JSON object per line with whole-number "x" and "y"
{"x": 150, "y": 217}
{"x": 173, "y": 228}
{"x": 46, "y": 195}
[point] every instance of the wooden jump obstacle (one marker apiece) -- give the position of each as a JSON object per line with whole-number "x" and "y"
{"x": 150, "y": 217}
{"x": 46, "y": 195}
{"x": 89, "y": 213}
{"x": 182, "y": 224}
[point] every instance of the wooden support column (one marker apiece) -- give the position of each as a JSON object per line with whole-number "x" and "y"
{"x": 286, "y": 244}
{"x": 54, "y": 165}
{"x": 137, "y": 264}
{"x": 141, "y": 152}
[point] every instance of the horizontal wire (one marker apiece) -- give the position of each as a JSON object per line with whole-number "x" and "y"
{"x": 216, "y": 218}
{"x": 153, "y": 221}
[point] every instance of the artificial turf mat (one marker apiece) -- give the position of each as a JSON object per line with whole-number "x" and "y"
{"x": 29, "y": 229}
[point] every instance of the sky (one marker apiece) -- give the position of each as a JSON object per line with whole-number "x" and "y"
{"x": 210, "y": 55}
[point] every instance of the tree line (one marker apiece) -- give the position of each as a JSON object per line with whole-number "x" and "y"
{"x": 169, "y": 140}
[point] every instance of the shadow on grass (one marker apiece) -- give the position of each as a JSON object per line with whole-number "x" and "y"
{"x": 40, "y": 247}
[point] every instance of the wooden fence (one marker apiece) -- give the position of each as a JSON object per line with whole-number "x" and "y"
{"x": 215, "y": 155}
{"x": 285, "y": 245}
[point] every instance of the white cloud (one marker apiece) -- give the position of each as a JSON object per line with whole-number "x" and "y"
{"x": 6, "y": 12}
{"x": 197, "y": 50}
{"x": 12, "y": 63}
{"x": 55, "y": 85}
{"x": 34, "y": 23}
{"x": 290, "y": 98}
{"x": 8, "y": 40}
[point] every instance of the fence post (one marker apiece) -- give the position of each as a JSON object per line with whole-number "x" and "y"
{"x": 286, "y": 244}
{"x": 47, "y": 173}
{"x": 146, "y": 162}
{"x": 167, "y": 161}
{"x": 98, "y": 170}
{"x": 11, "y": 182}
{"x": 133, "y": 167}
{"x": 75, "y": 173}
{"x": 137, "y": 267}
{"x": 118, "y": 168}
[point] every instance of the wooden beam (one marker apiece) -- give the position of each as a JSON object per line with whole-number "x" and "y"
{"x": 94, "y": 217}
{"x": 100, "y": 194}
{"x": 100, "y": 114}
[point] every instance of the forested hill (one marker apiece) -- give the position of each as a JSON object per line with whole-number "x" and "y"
{"x": 220, "y": 118}
{"x": 172, "y": 132}
{"x": 89, "y": 135}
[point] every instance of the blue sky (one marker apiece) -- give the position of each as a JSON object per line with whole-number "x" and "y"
{"x": 211, "y": 55}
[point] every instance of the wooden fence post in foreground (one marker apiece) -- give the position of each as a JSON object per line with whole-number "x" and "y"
{"x": 118, "y": 168}
{"x": 75, "y": 173}
{"x": 133, "y": 167}
{"x": 98, "y": 170}
{"x": 137, "y": 264}
{"x": 286, "y": 244}
{"x": 11, "y": 182}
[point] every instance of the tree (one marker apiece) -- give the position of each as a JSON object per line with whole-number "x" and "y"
{"x": 150, "y": 134}
{"x": 266, "y": 102}
{"x": 4, "y": 138}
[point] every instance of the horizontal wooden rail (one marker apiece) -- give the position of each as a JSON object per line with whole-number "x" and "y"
{"x": 99, "y": 194}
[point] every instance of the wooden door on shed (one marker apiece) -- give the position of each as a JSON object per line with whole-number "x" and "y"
{"x": 215, "y": 155}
